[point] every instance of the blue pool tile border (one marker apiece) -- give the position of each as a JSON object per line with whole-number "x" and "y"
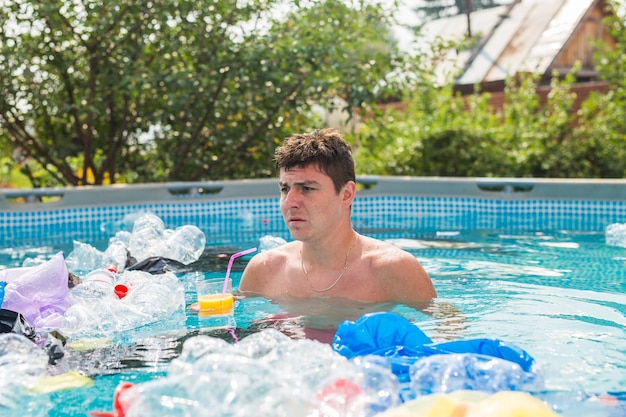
{"x": 233, "y": 220}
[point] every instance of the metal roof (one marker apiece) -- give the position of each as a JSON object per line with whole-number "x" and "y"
{"x": 524, "y": 36}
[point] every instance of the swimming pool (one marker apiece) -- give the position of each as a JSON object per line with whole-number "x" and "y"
{"x": 526, "y": 262}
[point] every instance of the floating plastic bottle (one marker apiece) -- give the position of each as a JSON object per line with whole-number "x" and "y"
{"x": 270, "y": 242}
{"x": 615, "y": 234}
{"x": 148, "y": 230}
{"x": 185, "y": 244}
{"x": 83, "y": 258}
{"x": 96, "y": 284}
{"x": 467, "y": 371}
{"x": 105, "y": 276}
{"x": 150, "y": 238}
{"x": 116, "y": 254}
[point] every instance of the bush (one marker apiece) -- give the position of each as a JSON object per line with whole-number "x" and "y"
{"x": 437, "y": 133}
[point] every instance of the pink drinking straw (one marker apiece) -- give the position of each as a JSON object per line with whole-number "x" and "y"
{"x": 230, "y": 265}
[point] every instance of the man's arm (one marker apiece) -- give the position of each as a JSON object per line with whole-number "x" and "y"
{"x": 410, "y": 281}
{"x": 418, "y": 292}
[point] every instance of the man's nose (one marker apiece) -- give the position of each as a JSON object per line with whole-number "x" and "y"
{"x": 292, "y": 198}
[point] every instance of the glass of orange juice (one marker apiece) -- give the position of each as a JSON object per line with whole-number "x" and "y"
{"x": 213, "y": 300}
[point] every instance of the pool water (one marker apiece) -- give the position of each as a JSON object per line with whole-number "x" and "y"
{"x": 559, "y": 294}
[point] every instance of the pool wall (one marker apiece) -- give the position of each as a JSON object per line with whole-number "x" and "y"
{"x": 94, "y": 213}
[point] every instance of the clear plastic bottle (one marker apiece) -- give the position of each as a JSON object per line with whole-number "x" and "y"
{"x": 116, "y": 253}
{"x": 185, "y": 244}
{"x": 96, "y": 284}
{"x": 148, "y": 231}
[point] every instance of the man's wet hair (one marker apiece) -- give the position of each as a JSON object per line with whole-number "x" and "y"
{"x": 324, "y": 148}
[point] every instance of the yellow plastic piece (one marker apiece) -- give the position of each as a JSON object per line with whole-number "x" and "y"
{"x": 511, "y": 404}
{"x": 60, "y": 382}
{"x": 473, "y": 404}
{"x": 89, "y": 344}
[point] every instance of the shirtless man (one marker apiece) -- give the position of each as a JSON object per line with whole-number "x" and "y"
{"x": 327, "y": 257}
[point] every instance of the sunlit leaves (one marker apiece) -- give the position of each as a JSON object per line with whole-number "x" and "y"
{"x": 180, "y": 90}
{"x": 436, "y": 133}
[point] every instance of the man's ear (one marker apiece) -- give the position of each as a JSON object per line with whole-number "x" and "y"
{"x": 349, "y": 192}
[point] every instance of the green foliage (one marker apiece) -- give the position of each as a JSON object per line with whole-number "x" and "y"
{"x": 10, "y": 175}
{"x": 435, "y": 132}
{"x": 141, "y": 91}
{"x": 180, "y": 90}
{"x": 433, "y": 135}
{"x": 438, "y": 133}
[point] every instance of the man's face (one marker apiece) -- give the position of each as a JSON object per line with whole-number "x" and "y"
{"x": 309, "y": 203}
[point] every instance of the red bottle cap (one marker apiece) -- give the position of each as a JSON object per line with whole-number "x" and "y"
{"x": 121, "y": 290}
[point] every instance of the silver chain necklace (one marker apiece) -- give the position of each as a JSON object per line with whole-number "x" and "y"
{"x": 345, "y": 267}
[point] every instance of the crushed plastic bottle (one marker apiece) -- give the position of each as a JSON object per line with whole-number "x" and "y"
{"x": 151, "y": 302}
{"x": 95, "y": 285}
{"x": 270, "y": 242}
{"x": 147, "y": 230}
{"x": 468, "y": 371}
{"x": 150, "y": 238}
{"x": 22, "y": 364}
{"x": 276, "y": 376}
{"x": 83, "y": 258}
{"x": 615, "y": 234}
{"x": 116, "y": 254}
{"x": 340, "y": 397}
{"x": 185, "y": 244}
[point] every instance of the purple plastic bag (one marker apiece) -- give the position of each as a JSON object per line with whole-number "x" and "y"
{"x": 40, "y": 293}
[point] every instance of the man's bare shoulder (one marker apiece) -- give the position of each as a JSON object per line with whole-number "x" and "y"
{"x": 265, "y": 267}
{"x": 384, "y": 253}
{"x": 276, "y": 254}
{"x": 403, "y": 276}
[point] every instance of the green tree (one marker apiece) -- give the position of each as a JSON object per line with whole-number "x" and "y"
{"x": 611, "y": 64}
{"x": 177, "y": 90}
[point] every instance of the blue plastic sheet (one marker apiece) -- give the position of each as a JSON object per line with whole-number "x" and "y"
{"x": 381, "y": 334}
{"x": 402, "y": 343}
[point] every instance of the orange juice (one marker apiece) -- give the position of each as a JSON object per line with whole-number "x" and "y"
{"x": 216, "y": 303}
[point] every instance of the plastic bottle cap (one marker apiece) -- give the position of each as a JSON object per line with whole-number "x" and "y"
{"x": 121, "y": 290}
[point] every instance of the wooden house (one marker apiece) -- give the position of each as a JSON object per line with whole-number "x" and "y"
{"x": 536, "y": 36}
